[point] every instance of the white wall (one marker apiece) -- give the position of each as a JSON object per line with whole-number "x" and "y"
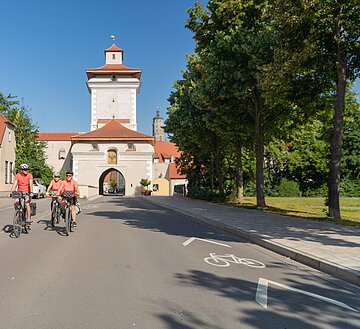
{"x": 7, "y": 153}
{"x": 52, "y": 153}
{"x": 89, "y": 165}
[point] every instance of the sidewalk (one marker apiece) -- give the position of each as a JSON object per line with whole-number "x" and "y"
{"x": 330, "y": 248}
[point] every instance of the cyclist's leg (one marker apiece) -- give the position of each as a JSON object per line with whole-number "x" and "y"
{"x": 27, "y": 205}
{"x": 73, "y": 210}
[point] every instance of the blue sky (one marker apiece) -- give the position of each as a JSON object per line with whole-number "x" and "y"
{"x": 46, "y": 46}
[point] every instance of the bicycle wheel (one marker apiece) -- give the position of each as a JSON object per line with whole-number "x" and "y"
{"x": 251, "y": 262}
{"x": 17, "y": 224}
{"x": 71, "y": 227}
{"x": 53, "y": 215}
{"x": 217, "y": 261}
{"x": 23, "y": 220}
{"x": 67, "y": 220}
{"x": 58, "y": 214}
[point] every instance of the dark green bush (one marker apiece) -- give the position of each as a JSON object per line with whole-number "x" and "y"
{"x": 287, "y": 188}
{"x": 321, "y": 191}
{"x": 350, "y": 188}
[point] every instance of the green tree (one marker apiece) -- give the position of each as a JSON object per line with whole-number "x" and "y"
{"x": 28, "y": 148}
{"x": 320, "y": 40}
{"x": 145, "y": 182}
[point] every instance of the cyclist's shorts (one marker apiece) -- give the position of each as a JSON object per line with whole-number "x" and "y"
{"x": 73, "y": 201}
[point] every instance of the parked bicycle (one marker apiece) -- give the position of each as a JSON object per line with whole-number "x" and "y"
{"x": 55, "y": 209}
{"x": 19, "y": 220}
{"x": 226, "y": 260}
{"x": 67, "y": 196}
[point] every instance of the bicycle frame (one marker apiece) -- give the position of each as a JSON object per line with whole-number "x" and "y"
{"x": 19, "y": 221}
{"x": 55, "y": 209}
{"x": 68, "y": 213}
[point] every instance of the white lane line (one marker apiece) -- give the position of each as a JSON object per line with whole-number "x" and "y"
{"x": 187, "y": 242}
{"x": 262, "y": 293}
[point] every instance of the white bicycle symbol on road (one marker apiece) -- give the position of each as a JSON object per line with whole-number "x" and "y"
{"x": 227, "y": 259}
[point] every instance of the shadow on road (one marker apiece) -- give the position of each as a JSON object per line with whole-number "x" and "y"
{"x": 286, "y": 309}
{"x": 48, "y": 227}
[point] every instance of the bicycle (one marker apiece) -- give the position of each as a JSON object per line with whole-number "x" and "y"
{"x": 55, "y": 209}
{"x": 68, "y": 214}
{"x": 227, "y": 259}
{"x": 19, "y": 220}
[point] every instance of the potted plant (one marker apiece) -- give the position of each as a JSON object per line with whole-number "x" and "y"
{"x": 145, "y": 183}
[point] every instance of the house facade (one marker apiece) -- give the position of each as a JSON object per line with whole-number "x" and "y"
{"x": 7, "y": 153}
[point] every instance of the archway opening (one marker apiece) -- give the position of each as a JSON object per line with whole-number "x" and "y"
{"x": 112, "y": 182}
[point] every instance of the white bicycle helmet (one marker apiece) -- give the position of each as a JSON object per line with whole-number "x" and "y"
{"x": 57, "y": 174}
{"x": 24, "y": 166}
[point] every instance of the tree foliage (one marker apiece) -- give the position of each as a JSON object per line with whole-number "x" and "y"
{"x": 28, "y": 148}
{"x": 267, "y": 74}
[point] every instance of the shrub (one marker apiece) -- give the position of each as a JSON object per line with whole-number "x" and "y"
{"x": 350, "y": 188}
{"x": 287, "y": 188}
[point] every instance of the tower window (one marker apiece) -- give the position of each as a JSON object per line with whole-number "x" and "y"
{"x": 113, "y": 78}
{"x": 113, "y": 56}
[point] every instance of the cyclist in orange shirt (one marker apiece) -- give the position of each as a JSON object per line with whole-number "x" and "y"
{"x": 70, "y": 185}
{"x": 55, "y": 184}
{"x": 24, "y": 182}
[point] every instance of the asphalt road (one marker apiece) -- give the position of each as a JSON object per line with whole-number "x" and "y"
{"x": 131, "y": 264}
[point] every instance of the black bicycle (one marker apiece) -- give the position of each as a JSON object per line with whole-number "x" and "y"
{"x": 55, "y": 209}
{"x": 68, "y": 214}
{"x": 19, "y": 221}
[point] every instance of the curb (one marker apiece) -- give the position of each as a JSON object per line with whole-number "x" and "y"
{"x": 317, "y": 263}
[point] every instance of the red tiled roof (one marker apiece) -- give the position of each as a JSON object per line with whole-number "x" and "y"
{"x": 166, "y": 156}
{"x": 113, "y": 130}
{"x": 113, "y": 47}
{"x": 113, "y": 69}
{"x": 56, "y": 136}
{"x": 119, "y": 120}
{"x": 3, "y": 123}
{"x": 166, "y": 148}
{"x": 173, "y": 172}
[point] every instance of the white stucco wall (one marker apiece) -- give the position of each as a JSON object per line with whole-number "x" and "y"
{"x": 160, "y": 169}
{"x": 52, "y": 152}
{"x": 89, "y": 164}
{"x": 113, "y": 99}
{"x": 7, "y": 153}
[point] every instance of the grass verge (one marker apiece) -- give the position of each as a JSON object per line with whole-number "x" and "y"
{"x": 310, "y": 208}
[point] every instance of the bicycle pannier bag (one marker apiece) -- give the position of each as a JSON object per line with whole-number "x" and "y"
{"x": 32, "y": 209}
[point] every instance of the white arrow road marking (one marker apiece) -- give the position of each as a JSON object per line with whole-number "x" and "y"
{"x": 262, "y": 289}
{"x": 187, "y": 242}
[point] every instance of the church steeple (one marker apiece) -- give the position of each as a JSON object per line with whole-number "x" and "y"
{"x": 158, "y": 127}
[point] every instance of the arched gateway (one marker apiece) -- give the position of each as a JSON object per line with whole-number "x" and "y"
{"x": 112, "y": 182}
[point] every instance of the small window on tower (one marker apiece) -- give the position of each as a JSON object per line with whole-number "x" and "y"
{"x": 62, "y": 154}
{"x": 113, "y": 56}
{"x": 131, "y": 147}
{"x": 113, "y": 78}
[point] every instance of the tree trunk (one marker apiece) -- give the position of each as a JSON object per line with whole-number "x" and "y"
{"x": 337, "y": 136}
{"x": 239, "y": 173}
{"x": 212, "y": 172}
{"x": 259, "y": 153}
{"x": 218, "y": 169}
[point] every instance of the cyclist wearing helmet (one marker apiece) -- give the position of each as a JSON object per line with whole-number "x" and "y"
{"x": 55, "y": 184}
{"x": 24, "y": 183}
{"x": 70, "y": 185}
